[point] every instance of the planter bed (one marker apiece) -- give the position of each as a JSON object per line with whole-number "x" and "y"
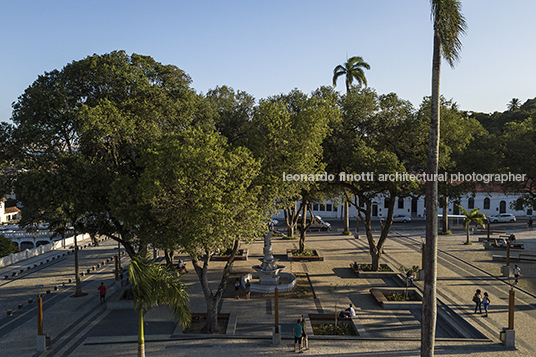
{"x": 309, "y": 258}
{"x": 199, "y": 321}
{"x": 380, "y": 294}
{"x": 374, "y": 274}
{"x": 241, "y": 254}
{"x": 319, "y": 323}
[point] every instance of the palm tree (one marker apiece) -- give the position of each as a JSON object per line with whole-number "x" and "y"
{"x": 513, "y": 104}
{"x": 352, "y": 69}
{"x": 152, "y": 285}
{"x": 474, "y": 216}
{"x": 449, "y": 25}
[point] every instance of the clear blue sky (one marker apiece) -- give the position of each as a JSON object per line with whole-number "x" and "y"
{"x": 270, "y": 47}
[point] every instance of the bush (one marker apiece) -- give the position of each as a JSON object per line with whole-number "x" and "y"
{"x": 305, "y": 253}
{"x": 402, "y": 296}
{"x": 343, "y": 329}
{"x": 368, "y": 267}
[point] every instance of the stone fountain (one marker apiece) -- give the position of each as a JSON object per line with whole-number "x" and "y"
{"x": 269, "y": 273}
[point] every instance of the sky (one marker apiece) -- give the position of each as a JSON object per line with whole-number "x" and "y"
{"x": 270, "y": 47}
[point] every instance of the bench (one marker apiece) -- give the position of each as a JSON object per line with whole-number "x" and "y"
{"x": 378, "y": 295}
{"x": 512, "y": 245}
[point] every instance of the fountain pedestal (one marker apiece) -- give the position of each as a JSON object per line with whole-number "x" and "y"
{"x": 269, "y": 272}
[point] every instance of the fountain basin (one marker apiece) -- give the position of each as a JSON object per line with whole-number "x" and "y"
{"x": 286, "y": 282}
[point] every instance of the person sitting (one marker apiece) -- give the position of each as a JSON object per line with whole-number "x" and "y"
{"x": 512, "y": 238}
{"x": 181, "y": 266}
{"x": 351, "y": 311}
{"x": 501, "y": 243}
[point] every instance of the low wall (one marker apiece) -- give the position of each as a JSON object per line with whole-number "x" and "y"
{"x": 42, "y": 249}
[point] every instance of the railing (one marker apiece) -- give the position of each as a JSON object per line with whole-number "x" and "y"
{"x": 34, "y": 252}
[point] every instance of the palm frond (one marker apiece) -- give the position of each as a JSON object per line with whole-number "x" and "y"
{"x": 450, "y": 25}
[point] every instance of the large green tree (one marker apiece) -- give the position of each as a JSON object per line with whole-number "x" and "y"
{"x": 378, "y": 136}
{"x": 202, "y": 190}
{"x": 105, "y": 109}
{"x": 286, "y": 136}
{"x": 448, "y": 25}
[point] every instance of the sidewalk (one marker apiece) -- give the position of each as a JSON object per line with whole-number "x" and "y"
{"x": 86, "y": 329}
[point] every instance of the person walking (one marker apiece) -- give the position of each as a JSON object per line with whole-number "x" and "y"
{"x": 305, "y": 340}
{"x": 529, "y": 224}
{"x": 237, "y": 288}
{"x": 102, "y": 291}
{"x": 485, "y": 302}
{"x": 297, "y": 331}
{"x": 477, "y": 299}
{"x": 517, "y": 273}
{"x": 248, "y": 289}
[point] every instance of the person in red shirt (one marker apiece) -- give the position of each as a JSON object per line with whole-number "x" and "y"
{"x": 102, "y": 290}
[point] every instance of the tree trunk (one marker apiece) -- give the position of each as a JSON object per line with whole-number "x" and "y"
{"x": 303, "y": 225}
{"x": 78, "y": 290}
{"x": 468, "y": 241}
{"x": 346, "y": 217}
{"x": 445, "y": 214}
{"x": 169, "y": 258}
{"x": 429, "y": 304}
{"x": 213, "y": 299}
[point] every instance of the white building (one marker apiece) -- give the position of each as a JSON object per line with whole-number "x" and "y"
{"x": 8, "y": 214}
{"x": 490, "y": 204}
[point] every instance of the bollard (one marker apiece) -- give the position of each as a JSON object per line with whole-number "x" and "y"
{"x": 55, "y": 288}
{"x": 41, "y": 263}
{"x": 48, "y": 291}
{"x": 21, "y": 306}
{"x": 9, "y": 312}
{"x": 14, "y": 273}
{"x": 6, "y": 277}
{"x": 93, "y": 268}
{"x": 30, "y": 301}
{"x": 88, "y": 271}
{"x": 35, "y": 265}
{"x": 70, "y": 280}
{"x": 22, "y": 270}
{"x": 82, "y": 274}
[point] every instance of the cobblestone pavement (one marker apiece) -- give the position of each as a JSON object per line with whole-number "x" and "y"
{"x": 82, "y": 327}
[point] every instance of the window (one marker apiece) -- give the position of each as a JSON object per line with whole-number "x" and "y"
{"x": 328, "y": 207}
{"x": 322, "y": 207}
{"x": 401, "y": 203}
{"x": 471, "y": 203}
{"x": 502, "y": 207}
{"x": 334, "y": 208}
{"x": 486, "y": 203}
{"x": 386, "y": 202}
{"x": 315, "y": 207}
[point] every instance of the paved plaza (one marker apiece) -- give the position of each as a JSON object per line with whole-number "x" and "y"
{"x": 84, "y": 327}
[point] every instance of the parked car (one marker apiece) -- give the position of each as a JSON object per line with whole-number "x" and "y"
{"x": 318, "y": 224}
{"x": 401, "y": 218}
{"x": 503, "y": 217}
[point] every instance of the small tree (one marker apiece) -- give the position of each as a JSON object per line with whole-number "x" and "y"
{"x": 7, "y": 246}
{"x": 474, "y": 216}
{"x": 153, "y": 285}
